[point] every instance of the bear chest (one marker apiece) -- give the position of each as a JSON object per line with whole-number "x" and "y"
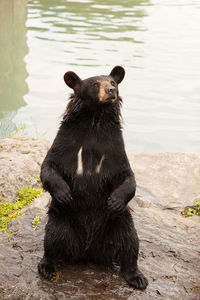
{"x": 89, "y": 161}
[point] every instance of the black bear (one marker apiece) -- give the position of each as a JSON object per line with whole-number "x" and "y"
{"x": 88, "y": 175}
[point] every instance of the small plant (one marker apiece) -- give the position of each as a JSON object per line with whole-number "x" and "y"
{"x": 9, "y": 234}
{"x": 192, "y": 210}
{"x": 35, "y": 222}
{"x": 10, "y": 211}
{"x": 39, "y": 181}
{"x": 57, "y": 276}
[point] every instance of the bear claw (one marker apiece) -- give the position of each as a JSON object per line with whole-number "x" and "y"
{"x": 46, "y": 270}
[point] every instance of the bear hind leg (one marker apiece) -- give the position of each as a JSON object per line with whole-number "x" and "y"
{"x": 63, "y": 242}
{"x": 128, "y": 256}
{"x": 126, "y": 244}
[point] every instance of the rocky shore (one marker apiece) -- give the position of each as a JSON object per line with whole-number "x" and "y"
{"x": 169, "y": 243}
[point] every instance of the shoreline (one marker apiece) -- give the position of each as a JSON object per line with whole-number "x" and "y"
{"x": 169, "y": 243}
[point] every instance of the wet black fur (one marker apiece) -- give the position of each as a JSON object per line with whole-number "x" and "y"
{"x": 88, "y": 216}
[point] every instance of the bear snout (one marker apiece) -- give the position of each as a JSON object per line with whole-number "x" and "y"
{"x": 111, "y": 90}
{"x": 107, "y": 92}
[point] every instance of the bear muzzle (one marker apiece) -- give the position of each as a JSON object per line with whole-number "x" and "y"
{"x": 112, "y": 92}
{"x": 107, "y": 93}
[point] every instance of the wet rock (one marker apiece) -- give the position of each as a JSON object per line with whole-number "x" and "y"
{"x": 20, "y": 160}
{"x": 142, "y": 201}
{"x": 169, "y": 244}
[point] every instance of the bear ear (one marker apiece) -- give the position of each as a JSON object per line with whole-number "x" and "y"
{"x": 117, "y": 73}
{"x": 72, "y": 80}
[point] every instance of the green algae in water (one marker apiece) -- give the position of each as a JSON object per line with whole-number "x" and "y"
{"x": 192, "y": 210}
{"x": 10, "y": 211}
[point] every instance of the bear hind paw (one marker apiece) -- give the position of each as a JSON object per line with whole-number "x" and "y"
{"x": 136, "y": 279}
{"x": 46, "y": 270}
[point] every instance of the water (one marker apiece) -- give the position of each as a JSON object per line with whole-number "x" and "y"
{"x": 156, "y": 41}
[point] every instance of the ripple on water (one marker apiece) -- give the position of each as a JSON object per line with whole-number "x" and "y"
{"x": 156, "y": 41}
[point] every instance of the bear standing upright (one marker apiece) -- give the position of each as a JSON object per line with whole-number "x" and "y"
{"x": 88, "y": 175}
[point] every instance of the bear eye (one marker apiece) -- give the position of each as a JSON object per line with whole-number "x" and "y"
{"x": 113, "y": 83}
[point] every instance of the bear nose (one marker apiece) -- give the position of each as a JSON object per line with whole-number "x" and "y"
{"x": 111, "y": 90}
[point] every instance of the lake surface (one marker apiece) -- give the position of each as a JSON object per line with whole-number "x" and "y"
{"x": 157, "y": 42}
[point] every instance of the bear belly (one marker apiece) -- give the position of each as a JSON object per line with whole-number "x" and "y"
{"x": 90, "y": 192}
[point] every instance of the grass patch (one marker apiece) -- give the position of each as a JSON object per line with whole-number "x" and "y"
{"x": 190, "y": 211}
{"x": 10, "y": 211}
{"x": 18, "y": 130}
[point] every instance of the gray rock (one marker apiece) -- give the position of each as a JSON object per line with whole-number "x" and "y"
{"x": 173, "y": 178}
{"x": 20, "y": 161}
{"x": 169, "y": 244}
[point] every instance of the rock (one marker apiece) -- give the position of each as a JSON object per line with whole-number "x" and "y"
{"x": 20, "y": 160}
{"x": 169, "y": 244}
{"x": 172, "y": 177}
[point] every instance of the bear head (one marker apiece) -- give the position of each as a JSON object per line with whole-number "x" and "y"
{"x": 98, "y": 89}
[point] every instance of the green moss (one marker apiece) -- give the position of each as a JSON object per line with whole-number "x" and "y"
{"x": 192, "y": 210}
{"x": 39, "y": 181}
{"x": 35, "y": 222}
{"x": 9, "y": 234}
{"x": 10, "y": 211}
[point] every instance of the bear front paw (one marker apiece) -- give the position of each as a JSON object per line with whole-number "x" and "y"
{"x": 63, "y": 197}
{"x": 115, "y": 204}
